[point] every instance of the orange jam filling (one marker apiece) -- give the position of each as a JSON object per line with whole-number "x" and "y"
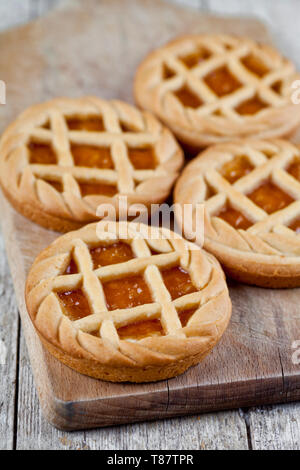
{"x": 188, "y": 98}
{"x": 75, "y": 304}
{"x": 111, "y": 254}
{"x": 56, "y": 185}
{"x": 294, "y": 170}
{"x": 93, "y": 124}
{"x": 143, "y": 158}
{"x": 270, "y": 197}
{"x": 178, "y": 282}
{"x": 41, "y": 154}
{"x": 140, "y": 330}
{"x": 195, "y": 58}
{"x": 277, "y": 87}
{"x": 255, "y": 65}
{"x": 209, "y": 191}
{"x": 127, "y": 128}
{"x": 92, "y": 157}
{"x": 71, "y": 268}
{"x": 222, "y": 82}
{"x": 234, "y": 218}
{"x": 126, "y": 293}
{"x": 236, "y": 168}
{"x": 167, "y": 72}
{"x": 96, "y": 189}
{"x": 295, "y": 225}
{"x": 185, "y": 315}
{"x": 46, "y": 125}
{"x": 251, "y": 106}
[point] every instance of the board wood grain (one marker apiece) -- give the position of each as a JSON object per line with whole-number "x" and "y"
{"x": 68, "y": 53}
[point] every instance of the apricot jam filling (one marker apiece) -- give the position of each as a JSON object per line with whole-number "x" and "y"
{"x": 105, "y": 255}
{"x": 270, "y": 197}
{"x": 277, "y": 87}
{"x": 127, "y": 292}
{"x": 140, "y": 330}
{"x": 185, "y": 315}
{"x": 188, "y": 98}
{"x": 56, "y": 185}
{"x": 127, "y": 128}
{"x": 177, "y": 281}
{"x": 92, "y": 157}
{"x": 222, "y": 82}
{"x": 96, "y": 189}
{"x": 74, "y": 304}
{"x": 142, "y": 158}
{"x": 71, "y": 268}
{"x": 236, "y": 168}
{"x": 92, "y": 124}
{"x": 295, "y": 225}
{"x": 111, "y": 254}
{"x": 209, "y": 191}
{"x": 41, "y": 153}
{"x": 46, "y": 125}
{"x": 234, "y": 218}
{"x": 251, "y": 106}
{"x": 146, "y": 328}
{"x": 167, "y": 72}
{"x": 255, "y": 65}
{"x": 294, "y": 170}
{"x": 195, "y": 58}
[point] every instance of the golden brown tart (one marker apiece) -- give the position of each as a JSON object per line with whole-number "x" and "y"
{"x": 122, "y": 307}
{"x": 214, "y": 88}
{"x": 61, "y": 159}
{"x": 251, "y": 195}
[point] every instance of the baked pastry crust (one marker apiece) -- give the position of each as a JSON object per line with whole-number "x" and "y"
{"x": 57, "y": 155}
{"x": 265, "y": 250}
{"x": 107, "y": 355}
{"x": 215, "y": 88}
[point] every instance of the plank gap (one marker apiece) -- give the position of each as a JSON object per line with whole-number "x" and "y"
{"x": 244, "y": 414}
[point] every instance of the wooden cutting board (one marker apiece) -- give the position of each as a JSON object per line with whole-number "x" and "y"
{"x": 93, "y": 47}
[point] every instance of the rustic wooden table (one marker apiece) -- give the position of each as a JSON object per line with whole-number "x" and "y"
{"x": 22, "y": 425}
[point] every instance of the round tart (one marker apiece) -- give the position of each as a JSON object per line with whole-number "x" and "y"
{"x": 121, "y": 307}
{"x": 214, "y": 88}
{"x": 251, "y": 196}
{"x": 60, "y": 160}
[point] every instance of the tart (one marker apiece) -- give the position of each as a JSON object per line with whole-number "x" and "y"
{"x": 250, "y": 191}
{"x": 60, "y": 160}
{"x": 215, "y": 88}
{"x": 115, "y": 303}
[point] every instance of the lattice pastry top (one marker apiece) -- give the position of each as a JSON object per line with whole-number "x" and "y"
{"x": 213, "y": 88}
{"x": 61, "y": 159}
{"x": 251, "y": 193}
{"x": 120, "y": 307}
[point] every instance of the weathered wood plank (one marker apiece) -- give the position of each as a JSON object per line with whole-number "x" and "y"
{"x": 9, "y": 330}
{"x": 210, "y": 432}
{"x": 275, "y": 428}
{"x": 225, "y": 430}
